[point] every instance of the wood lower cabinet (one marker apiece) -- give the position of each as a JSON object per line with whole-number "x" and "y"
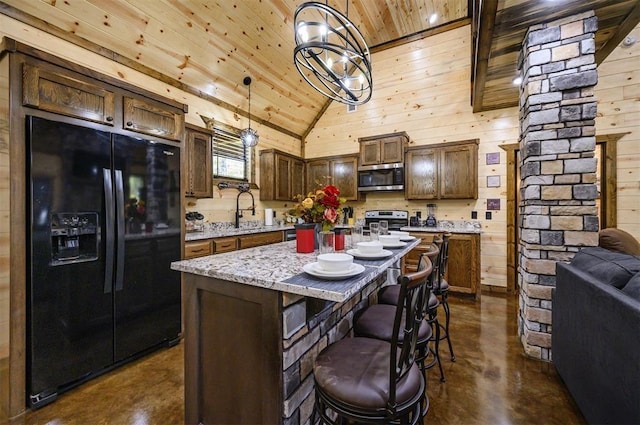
{"x": 199, "y": 172}
{"x": 259, "y": 239}
{"x": 198, "y": 249}
{"x": 201, "y": 248}
{"x": 340, "y": 171}
{"x": 463, "y": 266}
{"x": 442, "y": 171}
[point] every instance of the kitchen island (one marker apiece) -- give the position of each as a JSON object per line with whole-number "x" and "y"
{"x": 253, "y": 324}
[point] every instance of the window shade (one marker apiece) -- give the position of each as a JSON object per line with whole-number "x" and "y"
{"x": 230, "y": 156}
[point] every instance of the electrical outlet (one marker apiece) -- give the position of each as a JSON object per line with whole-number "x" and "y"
{"x": 474, "y": 215}
{"x": 487, "y": 215}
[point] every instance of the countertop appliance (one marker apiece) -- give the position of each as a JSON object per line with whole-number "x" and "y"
{"x": 382, "y": 177}
{"x": 105, "y": 217}
{"x": 396, "y": 219}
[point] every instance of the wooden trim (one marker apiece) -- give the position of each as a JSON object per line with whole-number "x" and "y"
{"x": 512, "y": 231}
{"x": 461, "y": 22}
{"x": 18, "y": 266}
{"x": 609, "y": 179}
{"x": 440, "y": 145}
{"x": 623, "y": 30}
{"x": 482, "y": 51}
{"x": 130, "y": 63}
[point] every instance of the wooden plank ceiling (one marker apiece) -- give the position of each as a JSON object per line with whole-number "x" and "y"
{"x": 501, "y": 26}
{"x": 208, "y": 47}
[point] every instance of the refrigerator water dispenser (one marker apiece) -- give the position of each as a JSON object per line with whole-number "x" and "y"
{"x": 75, "y": 237}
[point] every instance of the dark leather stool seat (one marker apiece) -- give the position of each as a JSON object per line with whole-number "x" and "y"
{"x": 342, "y": 374}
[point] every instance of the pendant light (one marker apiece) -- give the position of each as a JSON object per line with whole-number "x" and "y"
{"x": 249, "y": 136}
{"x": 331, "y": 54}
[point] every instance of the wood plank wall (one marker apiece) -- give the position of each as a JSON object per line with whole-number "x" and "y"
{"x": 5, "y": 253}
{"x": 423, "y": 89}
{"x": 618, "y": 95}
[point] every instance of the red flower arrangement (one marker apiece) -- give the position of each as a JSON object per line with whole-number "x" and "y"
{"x": 321, "y": 206}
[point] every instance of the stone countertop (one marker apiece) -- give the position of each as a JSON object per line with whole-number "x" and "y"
{"x": 224, "y": 232}
{"x": 270, "y": 266}
{"x": 443, "y": 229}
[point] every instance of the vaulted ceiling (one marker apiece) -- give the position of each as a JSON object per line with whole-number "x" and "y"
{"x": 208, "y": 47}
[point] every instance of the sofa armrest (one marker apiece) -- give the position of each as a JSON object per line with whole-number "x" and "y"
{"x": 596, "y": 346}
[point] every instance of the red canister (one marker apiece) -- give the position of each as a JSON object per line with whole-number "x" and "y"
{"x": 339, "y": 239}
{"x": 305, "y": 237}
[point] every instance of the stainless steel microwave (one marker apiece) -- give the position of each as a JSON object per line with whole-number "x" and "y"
{"x": 382, "y": 177}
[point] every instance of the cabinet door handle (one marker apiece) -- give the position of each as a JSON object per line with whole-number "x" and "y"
{"x": 197, "y": 250}
{"x": 129, "y": 124}
{"x": 109, "y": 119}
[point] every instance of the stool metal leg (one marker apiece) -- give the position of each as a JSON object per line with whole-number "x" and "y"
{"x": 447, "y": 314}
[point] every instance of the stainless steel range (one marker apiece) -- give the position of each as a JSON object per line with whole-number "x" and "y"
{"x": 395, "y": 218}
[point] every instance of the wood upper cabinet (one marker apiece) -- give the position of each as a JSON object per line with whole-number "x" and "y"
{"x": 47, "y": 88}
{"x": 199, "y": 174}
{"x": 340, "y": 171}
{"x": 383, "y": 149}
{"x": 459, "y": 171}
{"x": 147, "y": 117}
{"x": 281, "y": 175}
{"x": 421, "y": 174}
{"x": 442, "y": 171}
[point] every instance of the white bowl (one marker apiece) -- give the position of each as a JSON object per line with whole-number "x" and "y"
{"x": 335, "y": 261}
{"x": 399, "y": 233}
{"x": 370, "y": 247}
{"x": 389, "y": 239}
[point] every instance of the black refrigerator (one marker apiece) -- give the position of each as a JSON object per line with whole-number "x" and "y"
{"x": 104, "y": 213}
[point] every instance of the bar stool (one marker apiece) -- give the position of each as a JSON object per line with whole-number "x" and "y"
{"x": 441, "y": 290}
{"x": 388, "y": 295}
{"x": 373, "y": 381}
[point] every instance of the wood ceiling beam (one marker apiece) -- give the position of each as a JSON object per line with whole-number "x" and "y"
{"x": 486, "y": 19}
{"x": 629, "y": 23}
{"x": 37, "y": 23}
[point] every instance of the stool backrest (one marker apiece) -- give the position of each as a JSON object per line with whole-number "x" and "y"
{"x": 408, "y": 318}
{"x": 443, "y": 260}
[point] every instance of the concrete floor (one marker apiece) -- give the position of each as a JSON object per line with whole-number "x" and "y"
{"x": 491, "y": 382}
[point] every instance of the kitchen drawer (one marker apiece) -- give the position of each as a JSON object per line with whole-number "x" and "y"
{"x": 197, "y": 249}
{"x": 225, "y": 244}
{"x": 258, "y": 239}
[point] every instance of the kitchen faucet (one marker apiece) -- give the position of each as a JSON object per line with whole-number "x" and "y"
{"x": 239, "y": 211}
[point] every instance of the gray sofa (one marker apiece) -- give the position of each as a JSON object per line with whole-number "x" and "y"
{"x": 596, "y": 333}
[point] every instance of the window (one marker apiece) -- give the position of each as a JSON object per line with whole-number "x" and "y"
{"x": 231, "y": 159}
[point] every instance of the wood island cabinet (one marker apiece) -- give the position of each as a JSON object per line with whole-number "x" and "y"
{"x": 463, "y": 268}
{"x": 199, "y": 172}
{"x": 383, "y": 149}
{"x": 340, "y": 171}
{"x": 281, "y": 175}
{"x": 442, "y": 171}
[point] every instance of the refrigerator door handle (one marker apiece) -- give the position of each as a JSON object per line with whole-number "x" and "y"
{"x": 109, "y": 222}
{"x": 120, "y": 206}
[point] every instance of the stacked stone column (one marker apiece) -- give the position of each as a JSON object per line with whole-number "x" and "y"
{"x": 558, "y": 214}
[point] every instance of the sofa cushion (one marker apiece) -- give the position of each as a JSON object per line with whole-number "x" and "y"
{"x": 632, "y": 288}
{"x": 619, "y": 241}
{"x": 613, "y": 268}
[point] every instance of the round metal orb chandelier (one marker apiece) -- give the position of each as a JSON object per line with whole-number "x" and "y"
{"x": 249, "y": 136}
{"x": 331, "y": 54}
